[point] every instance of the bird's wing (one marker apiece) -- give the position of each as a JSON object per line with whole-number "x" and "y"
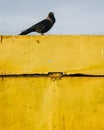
{"x": 40, "y": 24}
{"x": 39, "y": 27}
{"x": 34, "y": 28}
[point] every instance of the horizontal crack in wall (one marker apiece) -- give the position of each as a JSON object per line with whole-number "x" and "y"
{"x": 51, "y": 75}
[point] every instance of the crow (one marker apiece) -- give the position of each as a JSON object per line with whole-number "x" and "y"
{"x": 41, "y": 27}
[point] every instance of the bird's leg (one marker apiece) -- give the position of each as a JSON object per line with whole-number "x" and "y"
{"x": 42, "y": 34}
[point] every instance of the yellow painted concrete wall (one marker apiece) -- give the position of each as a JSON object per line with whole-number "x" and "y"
{"x": 39, "y": 103}
{"x": 53, "y": 101}
{"x": 43, "y": 54}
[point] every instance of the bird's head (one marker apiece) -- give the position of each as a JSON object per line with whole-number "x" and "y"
{"x": 51, "y": 16}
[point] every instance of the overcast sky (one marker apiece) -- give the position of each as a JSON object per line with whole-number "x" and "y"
{"x": 72, "y": 16}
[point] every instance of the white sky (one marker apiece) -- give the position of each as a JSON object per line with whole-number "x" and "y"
{"x": 72, "y": 16}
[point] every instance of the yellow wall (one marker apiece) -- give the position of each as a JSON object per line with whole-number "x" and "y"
{"x": 53, "y": 101}
{"x": 39, "y": 103}
{"x": 43, "y": 54}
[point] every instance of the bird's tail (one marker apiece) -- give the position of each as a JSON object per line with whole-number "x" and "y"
{"x": 26, "y": 31}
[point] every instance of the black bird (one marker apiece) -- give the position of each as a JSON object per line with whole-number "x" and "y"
{"x": 41, "y": 27}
